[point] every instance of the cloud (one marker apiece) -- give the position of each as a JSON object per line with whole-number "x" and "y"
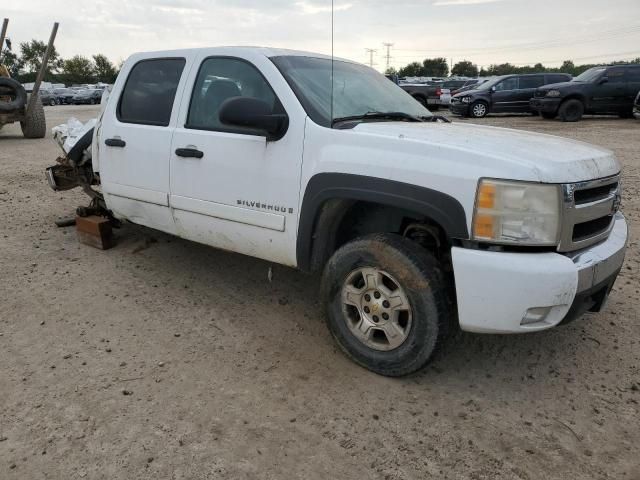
{"x": 309, "y": 8}
{"x": 443, "y": 3}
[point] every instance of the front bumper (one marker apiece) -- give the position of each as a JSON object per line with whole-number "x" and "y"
{"x": 500, "y": 292}
{"x": 546, "y": 105}
{"x": 459, "y": 108}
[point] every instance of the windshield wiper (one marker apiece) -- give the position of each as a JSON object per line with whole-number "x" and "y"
{"x": 379, "y": 116}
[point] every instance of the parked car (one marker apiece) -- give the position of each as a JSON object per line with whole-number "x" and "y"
{"x": 504, "y": 94}
{"x": 427, "y": 94}
{"x": 89, "y": 96}
{"x": 48, "y": 97}
{"x": 636, "y": 107}
{"x": 416, "y": 226}
{"x": 65, "y": 95}
{"x": 599, "y": 90}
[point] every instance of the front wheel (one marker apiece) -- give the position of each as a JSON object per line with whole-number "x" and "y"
{"x": 387, "y": 303}
{"x": 479, "y": 110}
{"x": 571, "y": 110}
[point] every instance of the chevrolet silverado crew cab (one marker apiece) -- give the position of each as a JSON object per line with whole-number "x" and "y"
{"x": 416, "y": 226}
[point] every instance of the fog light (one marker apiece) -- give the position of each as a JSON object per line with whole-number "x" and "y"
{"x": 535, "y": 315}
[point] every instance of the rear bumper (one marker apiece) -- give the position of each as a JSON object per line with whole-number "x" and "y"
{"x": 502, "y": 292}
{"x": 546, "y": 105}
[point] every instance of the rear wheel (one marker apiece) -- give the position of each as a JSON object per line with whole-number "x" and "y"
{"x": 52, "y": 102}
{"x": 571, "y": 110}
{"x": 35, "y": 124}
{"x": 387, "y": 303}
{"x": 478, "y": 110}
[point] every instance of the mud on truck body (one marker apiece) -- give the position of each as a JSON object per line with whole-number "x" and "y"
{"x": 417, "y": 227}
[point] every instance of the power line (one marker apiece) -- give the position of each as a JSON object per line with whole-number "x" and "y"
{"x": 388, "y": 56}
{"x": 371, "y": 52}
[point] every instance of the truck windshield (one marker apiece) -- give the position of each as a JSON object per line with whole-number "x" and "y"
{"x": 590, "y": 75}
{"x": 358, "y": 90}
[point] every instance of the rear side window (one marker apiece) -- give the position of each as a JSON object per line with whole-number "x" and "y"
{"x": 531, "y": 82}
{"x": 557, "y": 78}
{"x": 633, "y": 74}
{"x": 149, "y": 92}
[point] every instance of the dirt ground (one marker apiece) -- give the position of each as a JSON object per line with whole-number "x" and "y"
{"x": 164, "y": 359}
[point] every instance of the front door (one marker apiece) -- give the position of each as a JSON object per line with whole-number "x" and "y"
{"x": 610, "y": 91}
{"x": 504, "y": 97}
{"x": 135, "y": 141}
{"x": 239, "y": 192}
{"x": 527, "y": 90}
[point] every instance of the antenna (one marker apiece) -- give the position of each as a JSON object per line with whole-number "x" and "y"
{"x": 371, "y": 52}
{"x": 332, "y": 58}
{"x": 388, "y": 55}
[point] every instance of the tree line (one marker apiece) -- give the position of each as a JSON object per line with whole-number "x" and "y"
{"x": 25, "y": 63}
{"x": 439, "y": 67}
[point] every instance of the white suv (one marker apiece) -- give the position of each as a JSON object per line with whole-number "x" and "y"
{"x": 417, "y": 226}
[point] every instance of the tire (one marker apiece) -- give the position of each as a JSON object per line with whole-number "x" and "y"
{"x": 35, "y": 125}
{"x": 418, "y": 330}
{"x": 478, "y": 109}
{"x": 571, "y": 110}
{"x": 52, "y": 102}
{"x": 548, "y": 115}
{"x": 92, "y": 101}
{"x": 16, "y": 90}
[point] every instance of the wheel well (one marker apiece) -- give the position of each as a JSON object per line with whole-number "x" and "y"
{"x": 342, "y": 220}
{"x": 574, "y": 96}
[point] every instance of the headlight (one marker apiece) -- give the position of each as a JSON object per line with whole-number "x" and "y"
{"x": 465, "y": 99}
{"x": 553, "y": 93}
{"x": 517, "y": 213}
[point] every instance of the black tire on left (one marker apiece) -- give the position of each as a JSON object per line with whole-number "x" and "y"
{"x": 421, "y": 279}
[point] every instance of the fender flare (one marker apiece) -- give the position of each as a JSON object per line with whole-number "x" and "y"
{"x": 443, "y": 209}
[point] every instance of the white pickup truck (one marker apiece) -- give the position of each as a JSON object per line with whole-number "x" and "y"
{"x": 417, "y": 226}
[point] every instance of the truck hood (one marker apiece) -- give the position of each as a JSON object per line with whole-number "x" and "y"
{"x": 499, "y": 152}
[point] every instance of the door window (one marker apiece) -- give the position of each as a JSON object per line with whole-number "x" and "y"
{"x": 616, "y": 75}
{"x": 531, "y": 82}
{"x": 220, "y": 79}
{"x": 150, "y": 90}
{"x": 507, "y": 84}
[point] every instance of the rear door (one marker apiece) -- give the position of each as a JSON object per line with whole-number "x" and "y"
{"x": 527, "y": 90}
{"x": 504, "y": 97}
{"x": 633, "y": 83}
{"x": 135, "y": 141}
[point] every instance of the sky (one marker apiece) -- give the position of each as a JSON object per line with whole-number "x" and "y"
{"x": 482, "y": 31}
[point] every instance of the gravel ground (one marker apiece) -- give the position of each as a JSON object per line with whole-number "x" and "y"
{"x": 163, "y": 359}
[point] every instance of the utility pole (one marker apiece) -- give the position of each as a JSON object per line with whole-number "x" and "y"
{"x": 388, "y": 56}
{"x": 371, "y": 52}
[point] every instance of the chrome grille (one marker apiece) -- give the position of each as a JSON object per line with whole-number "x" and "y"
{"x": 588, "y": 212}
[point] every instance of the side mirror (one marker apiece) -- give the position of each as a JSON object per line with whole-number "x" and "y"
{"x": 493, "y": 89}
{"x": 603, "y": 80}
{"x": 254, "y": 113}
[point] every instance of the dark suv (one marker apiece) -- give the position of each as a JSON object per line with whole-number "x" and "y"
{"x": 505, "y": 94}
{"x": 599, "y": 90}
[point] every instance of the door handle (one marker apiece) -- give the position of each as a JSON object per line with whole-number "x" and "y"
{"x": 115, "y": 142}
{"x": 189, "y": 153}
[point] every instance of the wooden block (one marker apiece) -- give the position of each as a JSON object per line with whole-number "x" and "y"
{"x": 95, "y": 231}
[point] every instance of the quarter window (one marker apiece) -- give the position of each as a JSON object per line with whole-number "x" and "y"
{"x": 150, "y": 90}
{"x": 507, "y": 84}
{"x": 220, "y": 79}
